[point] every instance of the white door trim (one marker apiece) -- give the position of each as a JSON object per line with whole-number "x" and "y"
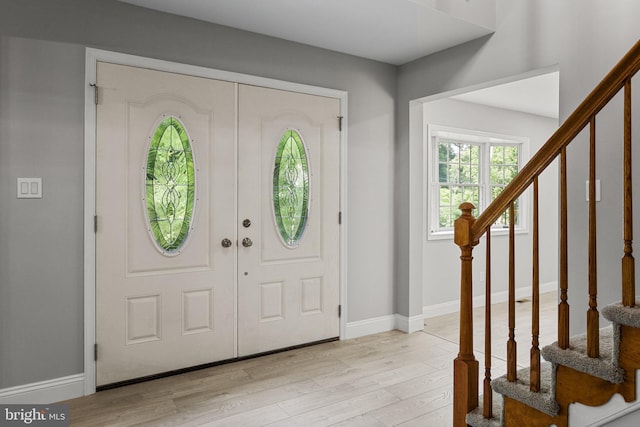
{"x": 95, "y": 55}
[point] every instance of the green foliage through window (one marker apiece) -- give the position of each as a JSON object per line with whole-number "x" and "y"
{"x": 170, "y": 185}
{"x": 503, "y": 167}
{"x": 291, "y": 188}
{"x": 472, "y": 170}
{"x": 459, "y": 178}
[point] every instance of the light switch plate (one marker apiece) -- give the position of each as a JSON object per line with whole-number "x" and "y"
{"x": 29, "y": 188}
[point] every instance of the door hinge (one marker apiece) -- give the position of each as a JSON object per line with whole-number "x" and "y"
{"x": 340, "y": 123}
{"x": 340, "y": 310}
{"x": 95, "y": 223}
{"x": 95, "y": 351}
{"x": 339, "y": 218}
{"x": 95, "y": 89}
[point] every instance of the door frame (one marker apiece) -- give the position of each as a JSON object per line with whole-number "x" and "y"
{"x": 91, "y": 59}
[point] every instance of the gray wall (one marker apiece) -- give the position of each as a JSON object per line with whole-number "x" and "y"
{"x": 41, "y": 134}
{"x": 41, "y": 123}
{"x": 442, "y": 257}
{"x": 586, "y": 38}
{"x": 629, "y": 420}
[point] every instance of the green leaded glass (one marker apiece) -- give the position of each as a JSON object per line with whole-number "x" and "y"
{"x": 291, "y": 188}
{"x": 170, "y": 185}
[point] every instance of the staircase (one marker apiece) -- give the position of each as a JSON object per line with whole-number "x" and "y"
{"x": 587, "y": 369}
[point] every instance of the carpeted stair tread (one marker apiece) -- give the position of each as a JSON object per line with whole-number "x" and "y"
{"x": 476, "y": 419}
{"x": 543, "y": 401}
{"x": 605, "y": 367}
{"x": 618, "y": 313}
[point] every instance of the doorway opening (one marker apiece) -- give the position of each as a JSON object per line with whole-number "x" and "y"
{"x": 520, "y": 109}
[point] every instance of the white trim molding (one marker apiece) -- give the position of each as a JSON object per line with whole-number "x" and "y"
{"x": 418, "y": 205}
{"x": 409, "y": 324}
{"x": 484, "y": 141}
{"x": 44, "y": 392}
{"x": 376, "y": 325}
{"x": 371, "y": 326}
{"x": 449, "y": 307}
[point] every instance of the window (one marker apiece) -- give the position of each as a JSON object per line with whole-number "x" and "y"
{"x": 469, "y": 166}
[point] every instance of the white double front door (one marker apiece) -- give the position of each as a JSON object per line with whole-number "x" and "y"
{"x": 235, "y": 277}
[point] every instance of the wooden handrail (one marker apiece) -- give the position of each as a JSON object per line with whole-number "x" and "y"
{"x": 468, "y": 231}
{"x": 593, "y": 103}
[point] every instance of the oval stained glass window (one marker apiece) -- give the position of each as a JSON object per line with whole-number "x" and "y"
{"x": 291, "y": 188}
{"x": 170, "y": 185}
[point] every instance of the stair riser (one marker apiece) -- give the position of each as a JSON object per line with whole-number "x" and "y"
{"x": 518, "y": 414}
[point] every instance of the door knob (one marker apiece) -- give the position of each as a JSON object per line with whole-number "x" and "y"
{"x": 246, "y": 223}
{"x": 246, "y": 242}
{"x": 226, "y": 243}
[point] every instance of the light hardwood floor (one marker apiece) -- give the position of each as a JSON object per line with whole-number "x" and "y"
{"x": 387, "y": 379}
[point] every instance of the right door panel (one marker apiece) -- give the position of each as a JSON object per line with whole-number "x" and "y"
{"x": 288, "y": 259}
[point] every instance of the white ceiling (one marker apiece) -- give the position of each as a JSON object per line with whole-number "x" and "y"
{"x": 391, "y": 31}
{"x": 536, "y": 95}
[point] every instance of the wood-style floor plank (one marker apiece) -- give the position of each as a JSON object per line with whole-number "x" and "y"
{"x": 387, "y": 379}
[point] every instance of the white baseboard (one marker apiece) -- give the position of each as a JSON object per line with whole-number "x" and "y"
{"x": 370, "y": 326}
{"x": 478, "y": 301}
{"x": 44, "y": 392}
{"x": 384, "y": 324}
{"x": 409, "y": 324}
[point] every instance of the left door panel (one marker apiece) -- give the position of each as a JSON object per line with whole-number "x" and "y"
{"x": 159, "y": 310}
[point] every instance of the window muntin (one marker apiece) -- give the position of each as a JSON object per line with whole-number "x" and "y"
{"x": 469, "y": 166}
{"x": 458, "y": 178}
{"x": 291, "y": 188}
{"x": 170, "y": 186}
{"x": 503, "y": 167}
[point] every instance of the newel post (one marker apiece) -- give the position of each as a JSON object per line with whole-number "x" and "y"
{"x": 465, "y": 366}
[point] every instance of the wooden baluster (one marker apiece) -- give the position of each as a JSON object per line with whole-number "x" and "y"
{"x": 465, "y": 366}
{"x": 535, "y": 308}
{"x": 511, "y": 344}
{"x": 487, "y": 405}
{"x": 563, "y": 307}
{"x": 593, "y": 317}
{"x": 628, "y": 262}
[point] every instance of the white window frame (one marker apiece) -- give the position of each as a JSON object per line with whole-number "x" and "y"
{"x": 432, "y": 135}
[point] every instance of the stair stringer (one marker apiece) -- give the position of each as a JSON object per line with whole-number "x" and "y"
{"x": 622, "y": 401}
{"x": 615, "y": 409}
{"x": 574, "y": 388}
